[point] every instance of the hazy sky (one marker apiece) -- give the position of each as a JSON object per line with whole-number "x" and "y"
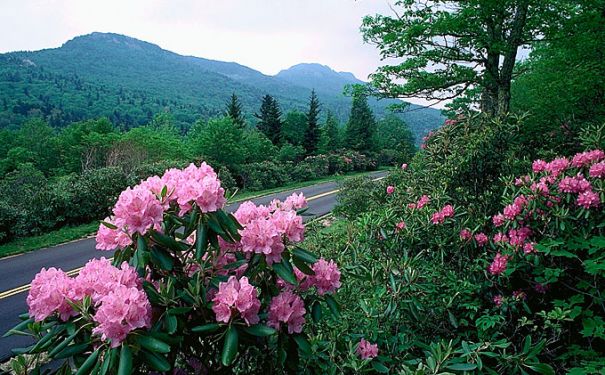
{"x": 267, "y": 35}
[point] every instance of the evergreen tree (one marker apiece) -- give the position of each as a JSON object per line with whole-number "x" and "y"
{"x": 361, "y": 125}
{"x": 234, "y": 111}
{"x": 312, "y": 131}
{"x": 270, "y": 119}
{"x": 331, "y": 133}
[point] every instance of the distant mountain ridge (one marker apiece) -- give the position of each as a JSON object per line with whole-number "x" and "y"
{"x": 129, "y": 80}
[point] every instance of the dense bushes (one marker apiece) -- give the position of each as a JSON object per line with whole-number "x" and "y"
{"x": 440, "y": 289}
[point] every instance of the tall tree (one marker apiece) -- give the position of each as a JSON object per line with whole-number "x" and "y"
{"x": 331, "y": 133}
{"x": 269, "y": 118}
{"x": 234, "y": 111}
{"x": 361, "y": 126}
{"x": 312, "y": 132}
{"x": 449, "y": 46}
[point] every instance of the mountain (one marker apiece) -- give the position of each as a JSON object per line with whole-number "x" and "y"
{"x": 129, "y": 80}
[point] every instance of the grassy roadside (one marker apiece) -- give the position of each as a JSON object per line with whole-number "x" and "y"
{"x": 66, "y": 234}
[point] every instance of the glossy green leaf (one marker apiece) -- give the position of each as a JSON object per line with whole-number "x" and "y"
{"x": 201, "y": 241}
{"x": 157, "y": 361}
{"x": 125, "y": 367}
{"x": 284, "y": 272}
{"x": 90, "y": 362}
{"x": 230, "y": 346}
{"x": 260, "y": 330}
{"x": 206, "y": 328}
{"x": 153, "y": 344}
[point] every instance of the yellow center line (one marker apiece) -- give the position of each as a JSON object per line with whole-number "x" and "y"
{"x": 25, "y": 288}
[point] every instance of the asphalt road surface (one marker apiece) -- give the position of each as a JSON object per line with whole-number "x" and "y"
{"x": 17, "y": 272}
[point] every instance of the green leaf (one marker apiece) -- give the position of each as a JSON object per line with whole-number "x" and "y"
{"x": 157, "y": 361}
{"x": 108, "y": 361}
{"x": 125, "y": 367}
{"x": 316, "y": 311}
{"x": 260, "y": 330}
{"x": 88, "y": 364}
{"x": 206, "y": 328}
{"x": 302, "y": 266}
{"x": 542, "y": 368}
{"x": 333, "y": 305}
{"x": 380, "y": 367}
{"x": 109, "y": 225}
{"x": 179, "y": 310}
{"x": 162, "y": 258}
{"x": 284, "y": 272}
{"x": 171, "y": 324}
{"x": 153, "y": 344}
{"x": 303, "y": 344}
{"x": 462, "y": 367}
{"x": 63, "y": 344}
{"x": 201, "y": 241}
{"x": 168, "y": 242}
{"x": 72, "y": 350}
{"x": 230, "y": 346}
{"x": 304, "y": 255}
{"x": 19, "y": 327}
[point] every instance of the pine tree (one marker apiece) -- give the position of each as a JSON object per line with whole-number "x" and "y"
{"x": 234, "y": 111}
{"x": 331, "y": 133}
{"x": 312, "y": 131}
{"x": 361, "y": 125}
{"x": 270, "y": 119}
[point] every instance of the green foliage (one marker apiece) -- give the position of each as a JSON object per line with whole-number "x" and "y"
{"x": 294, "y": 127}
{"x": 361, "y": 126}
{"x": 312, "y": 131}
{"x": 218, "y": 141}
{"x": 234, "y": 111}
{"x": 269, "y": 120}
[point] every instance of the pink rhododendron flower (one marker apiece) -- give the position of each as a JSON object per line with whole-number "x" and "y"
{"x": 262, "y": 236}
{"x": 517, "y": 237}
{"x": 528, "y": 247}
{"x": 287, "y": 308}
{"x": 465, "y": 234}
{"x": 199, "y": 185}
{"x": 99, "y": 277}
{"x": 498, "y": 300}
{"x": 423, "y": 201}
{"x": 400, "y": 226}
{"x": 327, "y": 276}
{"x": 366, "y": 350}
{"x": 404, "y": 166}
{"x": 437, "y": 217}
{"x": 498, "y": 220}
{"x": 500, "y": 237}
{"x": 111, "y": 239}
{"x": 557, "y": 166}
{"x": 597, "y": 170}
{"x": 588, "y": 199}
{"x": 295, "y": 202}
{"x": 448, "y": 210}
{"x": 289, "y": 223}
{"x": 248, "y": 211}
{"x": 498, "y": 264}
{"x": 481, "y": 239}
{"x": 236, "y": 296}
{"x": 121, "y": 311}
{"x": 48, "y": 295}
{"x": 390, "y": 189}
{"x": 138, "y": 210}
{"x": 576, "y": 184}
{"x": 538, "y": 166}
{"x": 586, "y": 158}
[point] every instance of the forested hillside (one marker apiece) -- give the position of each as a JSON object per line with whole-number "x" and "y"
{"x": 129, "y": 81}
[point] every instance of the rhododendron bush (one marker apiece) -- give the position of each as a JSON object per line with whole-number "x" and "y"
{"x": 190, "y": 286}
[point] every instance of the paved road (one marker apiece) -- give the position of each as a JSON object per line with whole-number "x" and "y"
{"x": 17, "y": 272}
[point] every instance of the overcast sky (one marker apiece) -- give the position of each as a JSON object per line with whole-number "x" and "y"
{"x": 267, "y": 35}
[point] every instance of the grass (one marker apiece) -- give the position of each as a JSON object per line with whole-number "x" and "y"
{"x": 66, "y": 234}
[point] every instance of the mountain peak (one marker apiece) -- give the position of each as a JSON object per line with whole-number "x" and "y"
{"x": 109, "y": 39}
{"x": 319, "y": 77}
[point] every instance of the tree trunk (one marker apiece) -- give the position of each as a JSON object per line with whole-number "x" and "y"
{"x": 513, "y": 42}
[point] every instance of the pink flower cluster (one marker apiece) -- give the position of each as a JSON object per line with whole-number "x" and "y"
{"x": 121, "y": 304}
{"x": 498, "y": 265}
{"x": 390, "y": 189}
{"x": 267, "y": 228}
{"x": 141, "y": 208}
{"x": 326, "y": 278}
{"x": 440, "y": 216}
{"x": 236, "y": 297}
{"x": 121, "y": 311}
{"x": 422, "y": 201}
{"x": 287, "y": 308}
{"x": 584, "y": 159}
{"x": 597, "y": 170}
{"x": 366, "y": 350}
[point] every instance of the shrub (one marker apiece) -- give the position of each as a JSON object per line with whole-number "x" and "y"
{"x": 263, "y": 175}
{"x": 190, "y": 286}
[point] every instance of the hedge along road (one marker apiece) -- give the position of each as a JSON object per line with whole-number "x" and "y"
{"x": 16, "y": 272}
